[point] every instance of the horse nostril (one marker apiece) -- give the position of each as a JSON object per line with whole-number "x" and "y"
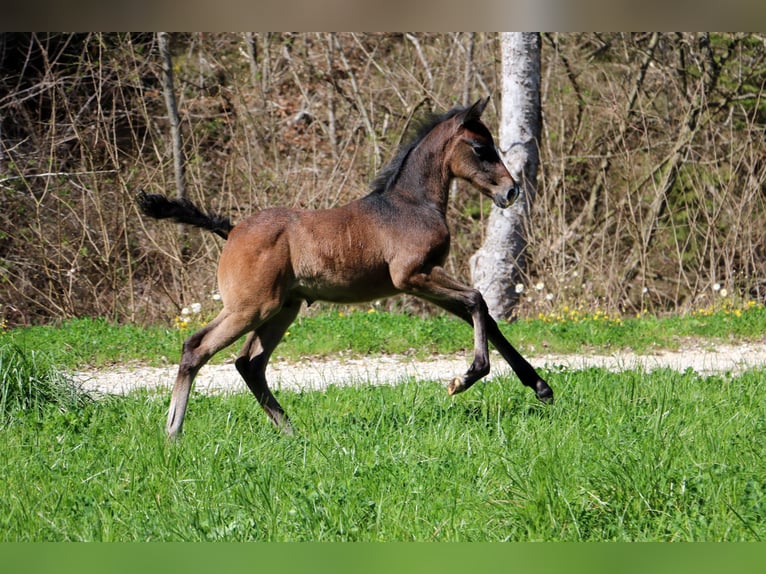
{"x": 508, "y": 197}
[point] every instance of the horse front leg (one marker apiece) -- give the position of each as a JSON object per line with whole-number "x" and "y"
{"x": 477, "y": 309}
{"x": 468, "y": 304}
{"x": 526, "y": 372}
{"x": 470, "y": 307}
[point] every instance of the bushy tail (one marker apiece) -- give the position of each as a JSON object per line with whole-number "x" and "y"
{"x": 183, "y": 211}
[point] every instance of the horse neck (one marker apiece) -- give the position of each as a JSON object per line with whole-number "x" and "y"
{"x": 425, "y": 177}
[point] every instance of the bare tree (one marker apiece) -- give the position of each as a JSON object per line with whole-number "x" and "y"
{"x": 496, "y": 266}
{"x": 252, "y": 53}
{"x": 179, "y": 158}
{"x": 649, "y": 189}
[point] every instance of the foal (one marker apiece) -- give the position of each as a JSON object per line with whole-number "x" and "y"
{"x": 392, "y": 241}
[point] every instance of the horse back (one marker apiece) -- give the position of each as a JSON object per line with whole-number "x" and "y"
{"x": 328, "y": 254}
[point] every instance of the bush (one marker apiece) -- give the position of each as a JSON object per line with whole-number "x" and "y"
{"x": 650, "y": 189}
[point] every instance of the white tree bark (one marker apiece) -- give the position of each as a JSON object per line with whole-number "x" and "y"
{"x": 496, "y": 267}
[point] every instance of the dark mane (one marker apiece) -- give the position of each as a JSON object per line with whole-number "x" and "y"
{"x": 387, "y": 176}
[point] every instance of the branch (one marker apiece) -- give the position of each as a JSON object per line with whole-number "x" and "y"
{"x": 359, "y": 104}
{"x": 588, "y": 214}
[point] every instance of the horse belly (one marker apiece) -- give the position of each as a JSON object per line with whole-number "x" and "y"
{"x": 337, "y": 256}
{"x": 349, "y": 285}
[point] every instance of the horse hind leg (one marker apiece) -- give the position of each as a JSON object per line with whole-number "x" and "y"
{"x": 197, "y": 350}
{"x": 251, "y": 364}
{"x": 254, "y": 357}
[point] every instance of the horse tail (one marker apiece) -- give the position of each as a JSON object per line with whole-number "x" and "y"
{"x": 183, "y": 211}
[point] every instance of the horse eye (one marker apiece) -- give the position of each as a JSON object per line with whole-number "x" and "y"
{"x": 484, "y": 152}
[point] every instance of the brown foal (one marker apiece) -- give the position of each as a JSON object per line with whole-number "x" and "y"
{"x": 394, "y": 240}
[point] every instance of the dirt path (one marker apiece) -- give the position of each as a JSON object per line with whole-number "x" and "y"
{"x": 317, "y": 374}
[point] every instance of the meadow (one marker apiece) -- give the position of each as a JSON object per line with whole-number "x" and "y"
{"x": 660, "y": 456}
{"x": 360, "y": 331}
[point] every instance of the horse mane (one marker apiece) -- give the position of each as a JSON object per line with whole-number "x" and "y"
{"x": 387, "y": 176}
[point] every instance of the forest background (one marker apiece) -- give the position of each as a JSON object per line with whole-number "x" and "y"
{"x": 650, "y": 195}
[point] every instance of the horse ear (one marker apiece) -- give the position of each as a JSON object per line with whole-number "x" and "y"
{"x": 474, "y": 112}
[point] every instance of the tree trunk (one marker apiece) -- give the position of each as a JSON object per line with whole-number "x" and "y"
{"x": 179, "y": 158}
{"x": 496, "y": 267}
{"x": 252, "y": 53}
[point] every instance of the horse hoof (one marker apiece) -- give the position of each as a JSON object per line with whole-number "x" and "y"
{"x": 544, "y": 392}
{"x": 456, "y": 386}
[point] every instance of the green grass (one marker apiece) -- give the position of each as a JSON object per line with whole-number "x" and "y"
{"x": 628, "y": 456}
{"x": 619, "y": 456}
{"x": 30, "y": 382}
{"x": 86, "y": 342}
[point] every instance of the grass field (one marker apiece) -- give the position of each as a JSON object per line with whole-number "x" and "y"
{"x": 663, "y": 456}
{"x": 625, "y": 456}
{"x": 88, "y": 342}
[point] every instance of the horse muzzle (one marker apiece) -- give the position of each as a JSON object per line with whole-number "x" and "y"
{"x": 506, "y": 198}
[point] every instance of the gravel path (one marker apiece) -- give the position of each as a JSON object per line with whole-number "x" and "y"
{"x": 316, "y": 374}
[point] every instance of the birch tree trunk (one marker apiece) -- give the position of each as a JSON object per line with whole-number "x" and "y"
{"x": 496, "y": 267}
